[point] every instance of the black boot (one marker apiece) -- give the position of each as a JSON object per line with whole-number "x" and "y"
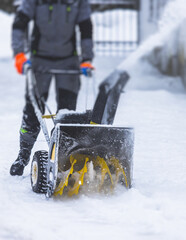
{"x": 27, "y": 140}
{"x": 17, "y": 168}
{"x": 22, "y": 160}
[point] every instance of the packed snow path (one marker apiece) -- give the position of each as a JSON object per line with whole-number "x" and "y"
{"x": 153, "y": 209}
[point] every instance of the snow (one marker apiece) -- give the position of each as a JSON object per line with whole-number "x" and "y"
{"x": 173, "y": 14}
{"x": 154, "y": 208}
{"x": 5, "y": 26}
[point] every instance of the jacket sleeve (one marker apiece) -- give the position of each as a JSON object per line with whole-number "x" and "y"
{"x": 24, "y": 14}
{"x": 86, "y": 29}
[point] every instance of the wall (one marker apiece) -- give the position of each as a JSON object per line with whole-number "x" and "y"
{"x": 150, "y": 13}
{"x": 170, "y": 56}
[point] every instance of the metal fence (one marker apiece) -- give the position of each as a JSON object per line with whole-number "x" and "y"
{"x": 115, "y": 26}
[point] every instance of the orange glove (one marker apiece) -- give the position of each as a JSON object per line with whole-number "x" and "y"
{"x": 20, "y": 60}
{"x": 86, "y": 68}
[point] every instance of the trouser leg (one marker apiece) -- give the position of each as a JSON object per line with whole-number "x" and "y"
{"x": 67, "y": 88}
{"x": 66, "y": 99}
{"x": 30, "y": 126}
{"x": 29, "y": 131}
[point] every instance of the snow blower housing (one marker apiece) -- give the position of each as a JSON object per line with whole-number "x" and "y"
{"x": 84, "y": 148}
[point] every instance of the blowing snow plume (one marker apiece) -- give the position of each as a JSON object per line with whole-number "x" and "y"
{"x": 163, "y": 52}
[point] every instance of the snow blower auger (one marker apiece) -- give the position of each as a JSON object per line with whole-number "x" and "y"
{"x": 85, "y": 150}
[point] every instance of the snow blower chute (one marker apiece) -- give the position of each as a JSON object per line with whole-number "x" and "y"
{"x": 85, "y": 150}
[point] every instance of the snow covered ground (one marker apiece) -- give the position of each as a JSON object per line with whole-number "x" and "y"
{"x": 153, "y": 209}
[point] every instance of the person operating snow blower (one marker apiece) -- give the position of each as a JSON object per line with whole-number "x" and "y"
{"x": 52, "y": 46}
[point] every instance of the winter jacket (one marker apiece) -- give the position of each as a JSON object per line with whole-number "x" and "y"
{"x": 54, "y": 34}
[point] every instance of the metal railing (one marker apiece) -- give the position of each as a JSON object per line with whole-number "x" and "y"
{"x": 115, "y": 26}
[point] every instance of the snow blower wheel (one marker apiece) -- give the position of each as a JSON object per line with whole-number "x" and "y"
{"x": 39, "y": 172}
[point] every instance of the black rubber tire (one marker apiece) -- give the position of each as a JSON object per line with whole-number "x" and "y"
{"x": 38, "y": 174}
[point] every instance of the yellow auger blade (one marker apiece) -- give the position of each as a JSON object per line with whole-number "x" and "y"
{"x": 79, "y": 180}
{"x": 63, "y": 183}
{"x": 104, "y": 169}
{"x": 49, "y": 116}
{"x": 119, "y": 169}
{"x": 93, "y": 123}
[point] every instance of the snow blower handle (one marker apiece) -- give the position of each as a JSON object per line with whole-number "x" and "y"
{"x": 53, "y": 71}
{"x": 64, "y": 72}
{"x": 60, "y": 71}
{"x": 69, "y": 72}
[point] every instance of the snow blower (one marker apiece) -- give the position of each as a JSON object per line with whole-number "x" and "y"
{"x": 85, "y": 150}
